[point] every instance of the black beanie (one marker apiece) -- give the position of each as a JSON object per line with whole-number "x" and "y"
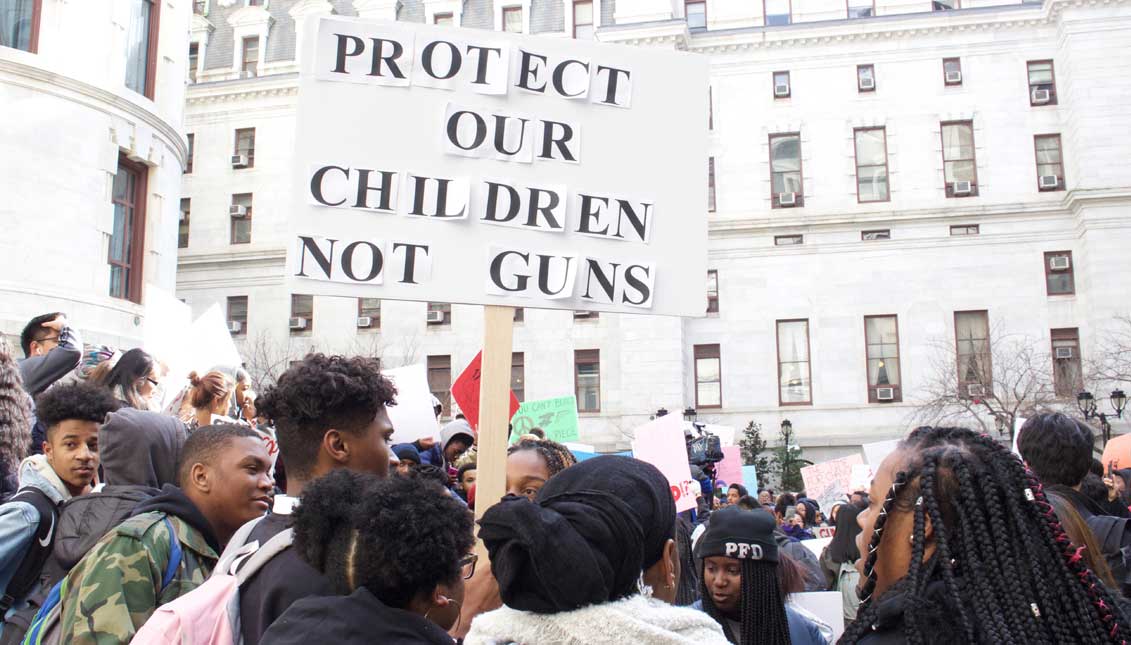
{"x": 739, "y": 534}
{"x": 594, "y": 528}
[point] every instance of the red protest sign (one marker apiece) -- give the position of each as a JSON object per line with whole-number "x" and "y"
{"x": 465, "y": 391}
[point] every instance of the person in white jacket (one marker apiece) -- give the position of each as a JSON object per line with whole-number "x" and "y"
{"x": 592, "y": 560}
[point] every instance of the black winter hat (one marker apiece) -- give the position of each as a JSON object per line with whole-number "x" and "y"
{"x": 740, "y": 534}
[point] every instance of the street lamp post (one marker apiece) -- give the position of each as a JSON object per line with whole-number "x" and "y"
{"x": 689, "y": 414}
{"x": 1086, "y": 402}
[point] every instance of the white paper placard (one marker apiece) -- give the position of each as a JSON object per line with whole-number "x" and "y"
{"x": 413, "y": 416}
{"x": 402, "y": 126}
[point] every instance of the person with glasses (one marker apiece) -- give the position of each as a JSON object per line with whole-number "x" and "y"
{"x": 396, "y": 551}
{"x": 134, "y": 379}
{"x": 51, "y": 350}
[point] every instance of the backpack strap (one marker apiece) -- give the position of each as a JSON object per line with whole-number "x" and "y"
{"x": 38, "y": 551}
{"x": 175, "y": 555}
{"x": 237, "y": 547}
{"x": 273, "y": 547}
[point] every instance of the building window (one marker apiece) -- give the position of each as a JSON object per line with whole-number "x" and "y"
{"x": 440, "y": 382}
{"x": 1042, "y": 83}
{"x": 200, "y": 7}
{"x": 240, "y": 217}
{"x": 512, "y": 20}
{"x": 193, "y": 56}
{"x": 19, "y": 24}
{"x": 1050, "y": 163}
{"x": 777, "y": 12}
{"x": 794, "y": 384}
{"x": 369, "y": 313}
{"x": 785, "y": 170}
{"x": 861, "y": 9}
{"x": 183, "y": 224}
{"x": 1068, "y": 378}
{"x": 237, "y": 315}
{"x": 141, "y": 46}
{"x": 586, "y": 315}
{"x": 708, "y": 377}
{"x": 871, "y": 165}
{"x": 519, "y": 314}
{"x": 881, "y": 340}
{"x": 1059, "y": 278}
{"x": 249, "y": 57}
{"x": 710, "y": 108}
{"x": 587, "y": 379}
{"x": 443, "y": 19}
{"x": 789, "y": 240}
{"x": 872, "y": 236}
{"x": 944, "y": 5}
{"x": 439, "y": 313}
{"x": 518, "y": 376}
{"x": 960, "y": 169}
{"x": 245, "y": 148}
{"x": 127, "y": 239}
{"x": 972, "y": 347}
{"x": 866, "y": 78}
{"x": 302, "y": 313}
{"x": 952, "y": 71}
{"x": 965, "y": 229}
{"x": 782, "y": 87}
{"x": 696, "y": 14}
{"x": 188, "y": 162}
{"x": 712, "y": 291}
{"x": 711, "y": 184}
{"x": 583, "y": 19}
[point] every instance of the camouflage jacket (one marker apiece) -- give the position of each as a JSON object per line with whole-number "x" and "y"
{"x": 117, "y": 586}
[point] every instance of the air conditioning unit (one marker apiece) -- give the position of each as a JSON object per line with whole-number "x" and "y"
{"x": 975, "y": 390}
{"x": 787, "y": 200}
{"x": 962, "y": 188}
{"x": 867, "y": 83}
{"x": 1063, "y": 352}
{"x": 238, "y": 211}
{"x": 298, "y": 323}
{"x": 954, "y": 77}
{"x": 239, "y": 161}
{"x": 1060, "y": 263}
{"x": 435, "y": 317}
{"x": 1049, "y": 181}
{"x": 781, "y": 89}
{"x": 234, "y": 326}
{"x": 364, "y": 322}
{"x": 1040, "y": 97}
{"x": 885, "y": 394}
{"x": 247, "y": 73}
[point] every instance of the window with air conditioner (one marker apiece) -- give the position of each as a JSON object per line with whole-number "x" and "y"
{"x": 439, "y": 313}
{"x": 881, "y": 341}
{"x": 866, "y": 78}
{"x": 1050, "y": 162}
{"x": 952, "y": 71}
{"x": 240, "y": 219}
{"x": 785, "y": 170}
{"x": 243, "y": 154}
{"x": 972, "y": 349}
{"x": 960, "y": 170}
{"x": 368, "y": 313}
{"x": 1059, "y": 278}
{"x": 237, "y": 315}
{"x": 1066, "y": 363}
{"x": 302, "y": 313}
{"x": 1042, "y": 82}
{"x": 781, "y": 85}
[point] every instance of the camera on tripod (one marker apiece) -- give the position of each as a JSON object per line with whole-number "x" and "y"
{"x": 703, "y": 448}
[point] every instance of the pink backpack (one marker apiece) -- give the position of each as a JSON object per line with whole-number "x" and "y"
{"x": 210, "y": 614}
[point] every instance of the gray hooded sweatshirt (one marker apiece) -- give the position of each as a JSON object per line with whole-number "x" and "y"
{"x": 139, "y": 452}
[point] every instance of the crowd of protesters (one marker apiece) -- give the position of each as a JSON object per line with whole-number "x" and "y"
{"x": 124, "y": 520}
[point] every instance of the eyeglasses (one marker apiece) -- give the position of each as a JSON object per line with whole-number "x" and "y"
{"x": 49, "y": 339}
{"x": 152, "y": 382}
{"x": 467, "y": 565}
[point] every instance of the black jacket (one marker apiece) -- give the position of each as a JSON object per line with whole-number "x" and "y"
{"x": 280, "y": 583}
{"x": 357, "y": 618}
{"x": 935, "y": 607}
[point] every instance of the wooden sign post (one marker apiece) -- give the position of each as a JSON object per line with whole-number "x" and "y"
{"x": 494, "y": 407}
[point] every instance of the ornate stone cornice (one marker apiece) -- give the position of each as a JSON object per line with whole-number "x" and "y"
{"x": 250, "y": 16}
{"x": 238, "y": 90}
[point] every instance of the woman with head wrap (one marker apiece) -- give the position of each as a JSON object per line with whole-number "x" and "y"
{"x": 592, "y": 560}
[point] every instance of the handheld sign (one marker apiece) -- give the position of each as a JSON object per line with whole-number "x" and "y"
{"x": 661, "y": 444}
{"x": 465, "y": 391}
{"x": 557, "y": 417}
{"x": 469, "y": 166}
{"x": 829, "y": 481}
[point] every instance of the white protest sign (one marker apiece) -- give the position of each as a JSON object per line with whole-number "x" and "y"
{"x": 661, "y": 444}
{"x": 817, "y": 545}
{"x": 467, "y": 166}
{"x": 828, "y": 482}
{"x": 875, "y": 453}
{"x": 826, "y": 605}
{"x": 413, "y": 416}
{"x": 861, "y": 479}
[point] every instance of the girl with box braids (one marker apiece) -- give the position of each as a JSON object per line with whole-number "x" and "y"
{"x": 761, "y": 608}
{"x": 965, "y": 547}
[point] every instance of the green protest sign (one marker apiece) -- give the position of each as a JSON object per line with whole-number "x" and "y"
{"x": 557, "y": 417}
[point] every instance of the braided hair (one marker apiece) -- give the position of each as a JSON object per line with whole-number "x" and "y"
{"x": 761, "y": 607}
{"x": 998, "y": 546}
{"x": 556, "y": 456}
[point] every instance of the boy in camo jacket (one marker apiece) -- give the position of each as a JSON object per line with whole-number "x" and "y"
{"x": 224, "y": 482}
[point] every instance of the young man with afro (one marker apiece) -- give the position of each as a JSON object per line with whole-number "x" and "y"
{"x": 72, "y": 415}
{"x": 330, "y": 414}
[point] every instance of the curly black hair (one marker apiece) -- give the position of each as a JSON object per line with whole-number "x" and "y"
{"x": 556, "y": 456}
{"x": 398, "y": 537}
{"x": 430, "y": 473}
{"x": 320, "y": 393}
{"x": 79, "y": 401}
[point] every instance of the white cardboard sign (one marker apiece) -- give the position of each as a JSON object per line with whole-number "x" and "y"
{"x": 413, "y": 416}
{"x": 458, "y": 165}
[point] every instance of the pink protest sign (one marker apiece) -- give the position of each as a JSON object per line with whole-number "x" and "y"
{"x": 829, "y": 481}
{"x": 661, "y": 444}
{"x": 729, "y": 469}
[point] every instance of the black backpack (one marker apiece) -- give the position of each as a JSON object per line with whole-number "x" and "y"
{"x": 1109, "y": 532}
{"x": 28, "y": 574}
